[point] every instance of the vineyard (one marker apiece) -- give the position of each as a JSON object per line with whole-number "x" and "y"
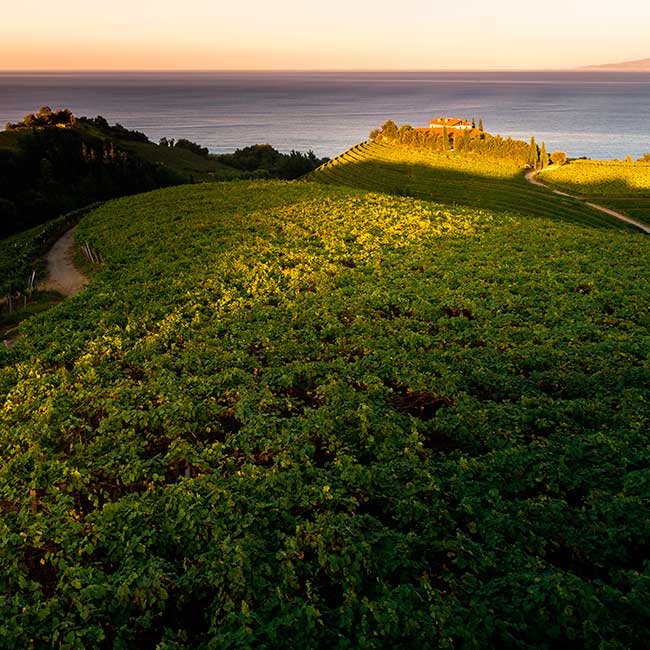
{"x": 621, "y": 186}
{"x": 471, "y": 180}
{"x": 299, "y": 415}
{"x": 601, "y": 178}
{"x": 637, "y": 208}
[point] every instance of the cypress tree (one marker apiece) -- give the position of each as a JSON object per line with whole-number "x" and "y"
{"x": 533, "y": 155}
{"x": 458, "y": 141}
{"x": 543, "y": 158}
{"x": 480, "y": 124}
{"x": 445, "y": 139}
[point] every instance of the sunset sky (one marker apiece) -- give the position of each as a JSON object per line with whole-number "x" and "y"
{"x": 321, "y": 34}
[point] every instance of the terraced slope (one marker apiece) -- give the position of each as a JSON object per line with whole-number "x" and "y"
{"x": 454, "y": 180}
{"x": 292, "y": 415}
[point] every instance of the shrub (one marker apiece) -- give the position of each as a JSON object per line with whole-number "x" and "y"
{"x": 182, "y": 143}
{"x": 558, "y": 157}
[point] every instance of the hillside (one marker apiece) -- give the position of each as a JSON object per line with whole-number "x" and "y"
{"x": 292, "y": 415}
{"x": 52, "y": 163}
{"x": 472, "y": 180}
{"x": 184, "y": 163}
{"x": 640, "y": 65}
{"x": 48, "y": 169}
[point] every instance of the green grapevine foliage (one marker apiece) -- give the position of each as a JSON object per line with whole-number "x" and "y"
{"x": 293, "y": 415}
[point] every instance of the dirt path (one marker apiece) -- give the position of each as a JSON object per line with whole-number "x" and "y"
{"x": 531, "y": 177}
{"x": 63, "y": 275}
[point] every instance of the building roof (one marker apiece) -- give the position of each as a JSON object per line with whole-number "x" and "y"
{"x": 449, "y": 122}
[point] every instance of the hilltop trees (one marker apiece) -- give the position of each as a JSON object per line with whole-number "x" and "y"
{"x": 405, "y": 134}
{"x": 116, "y": 131}
{"x": 188, "y": 145}
{"x": 465, "y": 141}
{"x": 45, "y": 117}
{"x": 462, "y": 140}
{"x": 265, "y": 161}
{"x": 50, "y": 171}
{"x": 558, "y": 157}
{"x": 389, "y": 130}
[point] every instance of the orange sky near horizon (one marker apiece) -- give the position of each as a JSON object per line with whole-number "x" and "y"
{"x": 318, "y": 35}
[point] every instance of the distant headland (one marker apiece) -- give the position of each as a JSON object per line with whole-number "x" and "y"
{"x": 641, "y": 65}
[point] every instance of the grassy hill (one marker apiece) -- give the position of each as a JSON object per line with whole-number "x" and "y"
{"x": 472, "y": 180}
{"x": 292, "y": 415}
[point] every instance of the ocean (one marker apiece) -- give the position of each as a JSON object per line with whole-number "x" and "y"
{"x": 600, "y": 115}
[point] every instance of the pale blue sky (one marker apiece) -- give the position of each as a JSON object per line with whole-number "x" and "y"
{"x": 334, "y": 34}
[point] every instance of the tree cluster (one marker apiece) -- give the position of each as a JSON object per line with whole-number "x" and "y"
{"x": 474, "y": 140}
{"x": 539, "y": 158}
{"x": 182, "y": 143}
{"x": 53, "y": 171}
{"x": 263, "y": 160}
{"x": 45, "y": 117}
{"x": 460, "y": 141}
{"x": 558, "y": 158}
{"x": 116, "y": 131}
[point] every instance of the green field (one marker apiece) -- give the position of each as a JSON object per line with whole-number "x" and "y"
{"x": 465, "y": 179}
{"x": 296, "y": 415}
